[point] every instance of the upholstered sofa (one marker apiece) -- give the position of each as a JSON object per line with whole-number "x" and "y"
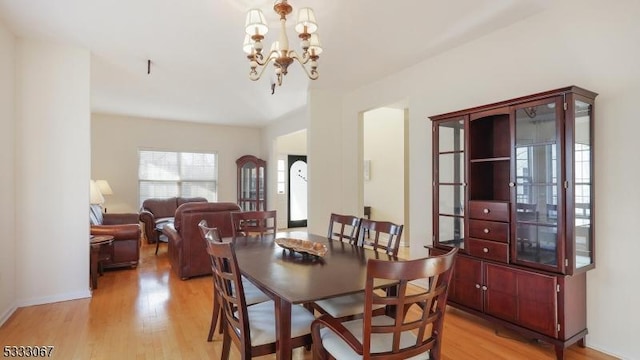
{"x": 125, "y": 229}
{"x": 155, "y": 213}
{"x": 187, "y": 251}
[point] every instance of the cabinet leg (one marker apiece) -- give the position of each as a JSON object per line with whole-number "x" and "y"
{"x": 582, "y": 343}
{"x": 559, "y": 352}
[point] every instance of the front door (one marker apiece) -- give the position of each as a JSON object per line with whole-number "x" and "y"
{"x": 297, "y": 194}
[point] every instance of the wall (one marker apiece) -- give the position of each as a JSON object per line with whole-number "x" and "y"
{"x": 290, "y": 144}
{"x": 587, "y": 43}
{"x": 116, "y": 140}
{"x": 52, "y": 172}
{"x": 383, "y": 134}
{"x": 291, "y": 123}
{"x": 7, "y": 182}
{"x": 332, "y": 162}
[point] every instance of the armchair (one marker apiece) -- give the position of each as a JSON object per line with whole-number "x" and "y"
{"x": 187, "y": 251}
{"x": 155, "y": 213}
{"x": 125, "y": 229}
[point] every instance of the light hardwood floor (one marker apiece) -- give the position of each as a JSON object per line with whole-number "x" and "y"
{"x": 149, "y": 313}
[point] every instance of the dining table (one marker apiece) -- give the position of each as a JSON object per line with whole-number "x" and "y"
{"x": 292, "y": 278}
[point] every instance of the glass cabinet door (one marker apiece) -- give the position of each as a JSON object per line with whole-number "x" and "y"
{"x": 251, "y": 183}
{"x": 248, "y": 188}
{"x": 449, "y": 177}
{"x": 260, "y": 183}
{"x": 579, "y": 221}
{"x": 537, "y": 190}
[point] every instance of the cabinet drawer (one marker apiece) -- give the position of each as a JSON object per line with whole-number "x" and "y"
{"x": 491, "y": 250}
{"x": 489, "y": 210}
{"x": 489, "y": 230}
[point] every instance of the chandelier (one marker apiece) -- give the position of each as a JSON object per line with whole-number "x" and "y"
{"x": 280, "y": 54}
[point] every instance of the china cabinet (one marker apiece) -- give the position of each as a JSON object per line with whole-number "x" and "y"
{"x": 251, "y": 183}
{"x": 513, "y": 189}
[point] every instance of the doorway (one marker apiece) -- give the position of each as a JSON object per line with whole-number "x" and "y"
{"x": 297, "y": 192}
{"x": 385, "y": 180}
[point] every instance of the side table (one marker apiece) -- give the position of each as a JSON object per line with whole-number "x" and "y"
{"x": 161, "y": 236}
{"x": 96, "y": 243}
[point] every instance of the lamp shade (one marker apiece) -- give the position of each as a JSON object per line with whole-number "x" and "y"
{"x": 274, "y": 52}
{"x": 256, "y": 23}
{"x": 104, "y": 187}
{"x": 314, "y": 44}
{"x": 307, "y": 18}
{"x": 95, "y": 197}
{"x": 247, "y": 44}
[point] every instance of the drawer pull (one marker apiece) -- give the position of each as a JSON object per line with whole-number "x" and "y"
{"x": 484, "y": 288}
{"x": 486, "y": 231}
{"x": 477, "y": 286}
{"x": 485, "y": 250}
{"x": 485, "y": 210}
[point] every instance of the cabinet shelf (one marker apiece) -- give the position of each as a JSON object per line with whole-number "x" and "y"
{"x": 451, "y": 152}
{"x": 531, "y": 184}
{"x": 494, "y": 159}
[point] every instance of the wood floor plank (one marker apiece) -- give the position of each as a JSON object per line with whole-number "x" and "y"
{"x": 149, "y": 313}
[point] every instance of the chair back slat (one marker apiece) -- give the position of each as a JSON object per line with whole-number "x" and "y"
{"x": 229, "y": 288}
{"x": 347, "y": 227}
{"x": 430, "y": 303}
{"x": 247, "y": 223}
{"x": 381, "y": 235}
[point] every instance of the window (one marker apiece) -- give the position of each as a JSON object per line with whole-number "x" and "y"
{"x": 164, "y": 174}
{"x": 281, "y": 177}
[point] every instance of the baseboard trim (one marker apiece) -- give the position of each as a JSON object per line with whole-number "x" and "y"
{"x": 604, "y": 350}
{"x": 55, "y": 298}
{"x": 7, "y": 314}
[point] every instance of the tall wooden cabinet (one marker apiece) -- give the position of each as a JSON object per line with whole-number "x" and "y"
{"x": 513, "y": 189}
{"x": 252, "y": 183}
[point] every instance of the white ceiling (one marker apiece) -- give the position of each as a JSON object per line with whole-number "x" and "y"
{"x": 199, "y": 72}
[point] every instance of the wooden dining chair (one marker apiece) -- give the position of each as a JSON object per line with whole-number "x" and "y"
{"x": 254, "y": 222}
{"x": 343, "y": 227}
{"x": 251, "y": 327}
{"x": 399, "y": 334}
{"x": 382, "y": 236}
{"x": 253, "y": 294}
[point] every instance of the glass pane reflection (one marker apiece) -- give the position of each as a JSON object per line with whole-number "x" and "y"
{"x": 450, "y": 199}
{"x": 451, "y": 231}
{"x": 451, "y": 136}
{"x": 537, "y": 203}
{"x": 451, "y": 168}
{"x": 537, "y": 243}
{"x": 582, "y": 184}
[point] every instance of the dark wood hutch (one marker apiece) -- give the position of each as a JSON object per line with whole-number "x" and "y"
{"x": 252, "y": 183}
{"x": 513, "y": 190}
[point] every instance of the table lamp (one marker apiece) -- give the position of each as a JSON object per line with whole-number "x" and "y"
{"x": 105, "y": 189}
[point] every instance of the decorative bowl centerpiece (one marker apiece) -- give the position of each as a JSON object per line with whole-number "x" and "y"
{"x": 304, "y": 247}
